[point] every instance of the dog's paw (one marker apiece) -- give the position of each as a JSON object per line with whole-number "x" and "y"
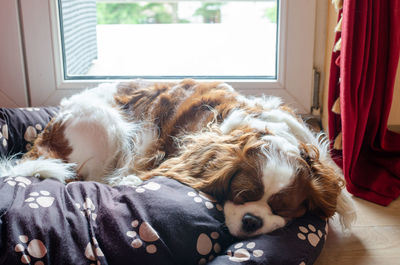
{"x": 148, "y": 186}
{"x": 130, "y": 180}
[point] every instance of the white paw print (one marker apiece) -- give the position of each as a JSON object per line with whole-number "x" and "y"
{"x": 40, "y": 199}
{"x": 31, "y": 134}
{"x": 4, "y": 135}
{"x": 209, "y": 201}
{"x": 244, "y": 252}
{"x": 92, "y": 251}
{"x": 34, "y": 250}
{"x": 310, "y": 234}
{"x": 30, "y": 109}
{"x": 146, "y": 234}
{"x": 20, "y": 181}
{"x": 148, "y": 186}
{"x": 87, "y": 209}
{"x": 205, "y": 246}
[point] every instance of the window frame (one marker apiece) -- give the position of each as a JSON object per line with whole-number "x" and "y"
{"x": 44, "y": 61}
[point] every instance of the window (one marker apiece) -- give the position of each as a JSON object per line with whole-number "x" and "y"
{"x": 212, "y": 40}
{"x": 259, "y": 47}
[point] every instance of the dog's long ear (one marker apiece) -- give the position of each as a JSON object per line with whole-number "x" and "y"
{"x": 206, "y": 162}
{"x": 217, "y": 164}
{"x": 210, "y": 171}
{"x": 232, "y": 172}
{"x": 218, "y": 184}
{"x": 325, "y": 183}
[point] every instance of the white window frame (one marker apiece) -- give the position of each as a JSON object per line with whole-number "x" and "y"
{"x": 44, "y": 65}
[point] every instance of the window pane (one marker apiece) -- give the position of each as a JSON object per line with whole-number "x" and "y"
{"x": 224, "y": 39}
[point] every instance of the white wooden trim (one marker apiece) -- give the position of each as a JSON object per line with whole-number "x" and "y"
{"x": 39, "y": 50}
{"x": 6, "y": 101}
{"x": 296, "y": 49}
{"x": 320, "y": 38}
{"x": 13, "y": 90}
{"x": 300, "y": 45}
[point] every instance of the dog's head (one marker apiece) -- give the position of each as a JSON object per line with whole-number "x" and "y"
{"x": 261, "y": 185}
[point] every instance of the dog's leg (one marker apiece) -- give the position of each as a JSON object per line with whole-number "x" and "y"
{"x": 100, "y": 138}
{"x": 130, "y": 180}
{"x": 101, "y": 142}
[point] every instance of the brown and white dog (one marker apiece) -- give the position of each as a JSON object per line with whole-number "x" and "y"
{"x": 253, "y": 154}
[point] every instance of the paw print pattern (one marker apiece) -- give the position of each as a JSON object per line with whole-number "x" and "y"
{"x": 87, "y": 209}
{"x": 145, "y": 235}
{"x": 206, "y": 247}
{"x": 31, "y": 134}
{"x": 35, "y": 250}
{"x": 326, "y": 230}
{"x": 40, "y": 199}
{"x": 310, "y": 234}
{"x": 209, "y": 201}
{"x": 148, "y": 186}
{"x": 30, "y": 109}
{"x": 20, "y": 181}
{"x": 244, "y": 252}
{"x": 93, "y": 251}
{"x": 4, "y": 135}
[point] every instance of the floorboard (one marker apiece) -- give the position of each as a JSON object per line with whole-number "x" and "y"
{"x": 374, "y": 239}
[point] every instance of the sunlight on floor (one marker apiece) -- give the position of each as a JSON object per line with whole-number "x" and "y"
{"x": 374, "y": 240}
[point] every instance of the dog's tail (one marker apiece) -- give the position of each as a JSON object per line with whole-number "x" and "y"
{"x": 41, "y": 167}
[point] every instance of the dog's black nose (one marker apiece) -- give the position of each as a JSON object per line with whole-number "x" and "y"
{"x": 251, "y": 223}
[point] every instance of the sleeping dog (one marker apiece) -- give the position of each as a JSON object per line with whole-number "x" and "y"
{"x": 253, "y": 154}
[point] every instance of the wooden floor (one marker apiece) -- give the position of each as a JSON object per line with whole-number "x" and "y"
{"x": 374, "y": 239}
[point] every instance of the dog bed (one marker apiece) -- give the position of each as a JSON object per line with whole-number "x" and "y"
{"x": 159, "y": 222}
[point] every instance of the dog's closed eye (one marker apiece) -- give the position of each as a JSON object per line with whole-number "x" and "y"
{"x": 245, "y": 186}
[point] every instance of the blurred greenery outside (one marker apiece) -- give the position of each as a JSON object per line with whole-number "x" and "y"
{"x": 271, "y": 13}
{"x": 162, "y": 13}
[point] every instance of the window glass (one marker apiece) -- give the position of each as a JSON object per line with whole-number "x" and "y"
{"x": 200, "y": 39}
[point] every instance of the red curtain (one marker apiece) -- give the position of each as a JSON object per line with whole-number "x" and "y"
{"x": 362, "y": 76}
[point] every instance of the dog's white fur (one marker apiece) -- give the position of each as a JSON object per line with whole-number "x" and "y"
{"x": 54, "y": 168}
{"x": 104, "y": 145}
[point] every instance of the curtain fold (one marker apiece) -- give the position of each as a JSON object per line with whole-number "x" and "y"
{"x": 362, "y": 76}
